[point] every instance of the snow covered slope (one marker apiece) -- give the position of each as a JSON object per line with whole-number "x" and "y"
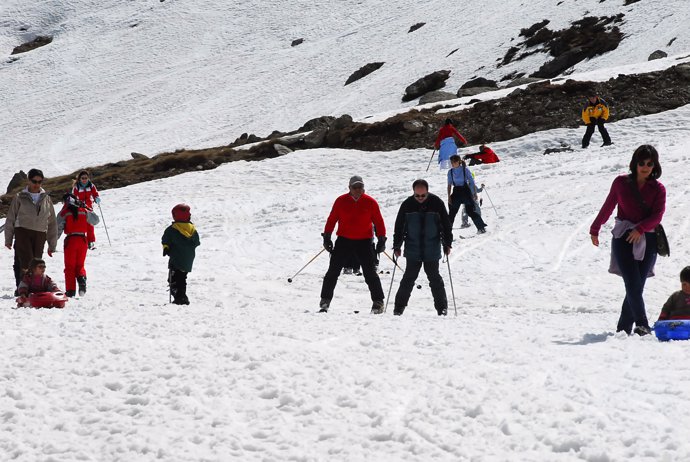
{"x": 147, "y": 76}
{"x": 530, "y": 369}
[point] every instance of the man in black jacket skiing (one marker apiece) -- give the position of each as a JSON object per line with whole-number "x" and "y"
{"x": 423, "y": 225}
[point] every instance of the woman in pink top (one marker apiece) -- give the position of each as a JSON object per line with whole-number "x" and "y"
{"x": 633, "y": 248}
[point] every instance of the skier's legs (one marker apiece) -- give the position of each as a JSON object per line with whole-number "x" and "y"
{"x": 468, "y": 201}
{"x": 634, "y": 274}
{"x": 70, "y": 259}
{"x": 455, "y": 202}
{"x": 588, "y": 135}
{"x": 407, "y": 282}
{"x": 602, "y": 130}
{"x": 367, "y": 258}
{"x": 438, "y": 289}
{"x": 339, "y": 257}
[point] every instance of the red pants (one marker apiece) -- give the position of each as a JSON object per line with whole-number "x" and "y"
{"x": 90, "y": 233}
{"x": 75, "y": 255}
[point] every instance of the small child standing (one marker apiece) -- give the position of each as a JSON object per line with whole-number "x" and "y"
{"x": 34, "y": 281}
{"x": 180, "y": 240}
{"x": 85, "y": 191}
{"x": 678, "y": 304}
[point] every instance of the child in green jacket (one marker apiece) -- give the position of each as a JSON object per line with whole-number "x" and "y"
{"x": 180, "y": 241}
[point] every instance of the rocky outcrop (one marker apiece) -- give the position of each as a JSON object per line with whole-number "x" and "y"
{"x": 436, "y": 96}
{"x": 479, "y": 82}
{"x": 38, "y": 42}
{"x": 18, "y": 179}
{"x": 658, "y": 54}
{"x": 474, "y": 91}
{"x": 430, "y": 82}
{"x": 363, "y": 72}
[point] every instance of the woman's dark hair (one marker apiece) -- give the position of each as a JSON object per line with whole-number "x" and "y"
{"x": 455, "y": 158}
{"x": 685, "y": 274}
{"x": 420, "y": 182}
{"x": 449, "y": 122}
{"x": 83, "y": 172}
{"x": 646, "y": 152}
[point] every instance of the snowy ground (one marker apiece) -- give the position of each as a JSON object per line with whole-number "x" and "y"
{"x": 148, "y": 77}
{"x": 530, "y": 369}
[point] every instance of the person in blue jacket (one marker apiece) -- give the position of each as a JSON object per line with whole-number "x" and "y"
{"x": 423, "y": 226}
{"x": 463, "y": 191}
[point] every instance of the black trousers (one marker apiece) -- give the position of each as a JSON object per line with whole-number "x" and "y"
{"x": 599, "y": 123}
{"x": 364, "y": 253}
{"x": 178, "y": 283}
{"x": 463, "y": 195}
{"x": 438, "y": 289}
{"x": 28, "y": 244}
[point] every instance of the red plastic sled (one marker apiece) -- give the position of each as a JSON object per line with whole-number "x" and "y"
{"x": 45, "y": 300}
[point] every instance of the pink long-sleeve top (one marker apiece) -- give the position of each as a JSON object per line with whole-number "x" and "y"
{"x": 629, "y": 208}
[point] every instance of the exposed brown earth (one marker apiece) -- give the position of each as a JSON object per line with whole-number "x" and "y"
{"x": 540, "y": 106}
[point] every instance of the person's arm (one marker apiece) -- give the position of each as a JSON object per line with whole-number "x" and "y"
{"x": 446, "y": 227}
{"x": 604, "y": 111}
{"x": 51, "y": 286}
{"x": 377, "y": 219}
{"x": 399, "y": 229}
{"x": 332, "y": 217}
{"x": 460, "y": 137}
{"x": 94, "y": 194}
{"x": 470, "y": 182}
{"x": 61, "y": 222}
{"x": 9, "y": 221}
{"x": 667, "y": 309}
{"x": 437, "y": 143}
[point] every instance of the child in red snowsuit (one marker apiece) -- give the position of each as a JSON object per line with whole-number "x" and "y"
{"x": 73, "y": 220}
{"x": 86, "y": 192}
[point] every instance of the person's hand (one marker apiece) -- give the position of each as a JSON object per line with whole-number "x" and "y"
{"x": 397, "y": 252}
{"x": 381, "y": 244}
{"x": 9, "y": 246}
{"x": 166, "y": 251}
{"x": 50, "y": 253}
{"x": 446, "y": 249}
{"x": 327, "y": 242}
{"x": 97, "y": 200}
{"x": 634, "y": 237}
{"x": 483, "y": 185}
{"x": 595, "y": 240}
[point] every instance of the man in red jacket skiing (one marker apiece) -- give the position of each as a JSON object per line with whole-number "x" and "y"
{"x": 355, "y": 212}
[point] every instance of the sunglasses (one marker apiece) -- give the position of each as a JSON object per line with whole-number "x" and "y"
{"x": 642, "y": 163}
{"x": 357, "y": 186}
{"x": 420, "y": 196}
{"x": 36, "y": 181}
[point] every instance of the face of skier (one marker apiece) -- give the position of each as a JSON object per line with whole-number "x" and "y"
{"x": 592, "y": 98}
{"x": 34, "y": 185}
{"x": 356, "y": 190}
{"x": 84, "y": 179}
{"x": 644, "y": 168}
{"x": 685, "y": 287}
{"x": 420, "y": 193}
{"x": 455, "y": 163}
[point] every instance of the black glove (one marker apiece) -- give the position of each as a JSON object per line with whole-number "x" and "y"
{"x": 467, "y": 156}
{"x": 327, "y": 242}
{"x": 166, "y": 251}
{"x": 381, "y": 244}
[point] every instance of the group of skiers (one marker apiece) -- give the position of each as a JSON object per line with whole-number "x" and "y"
{"x": 31, "y": 222}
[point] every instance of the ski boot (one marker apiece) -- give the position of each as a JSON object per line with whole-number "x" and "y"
{"x": 377, "y": 307}
{"x": 81, "y": 282}
{"x": 324, "y": 304}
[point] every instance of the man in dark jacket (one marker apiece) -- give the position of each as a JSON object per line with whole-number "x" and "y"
{"x": 423, "y": 225}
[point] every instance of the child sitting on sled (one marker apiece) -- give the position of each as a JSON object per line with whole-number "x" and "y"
{"x": 35, "y": 281}
{"x": 678, "y": 304}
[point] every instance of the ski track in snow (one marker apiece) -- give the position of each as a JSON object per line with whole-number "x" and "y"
{"x": 529, "y": 369}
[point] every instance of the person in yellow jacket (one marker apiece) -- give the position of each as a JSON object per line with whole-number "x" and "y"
{"x": 594, "y": 114}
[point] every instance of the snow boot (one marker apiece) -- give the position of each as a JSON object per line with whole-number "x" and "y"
{"x": 398, "y": 310}
{"x": 70, "y": 293}
{"x": 81, "y": 282}
{"x": 377, "y": 307}
{"x": 324, "y": 304}
{"x": 642, "y": 330}
{"x": 442, "y": 311}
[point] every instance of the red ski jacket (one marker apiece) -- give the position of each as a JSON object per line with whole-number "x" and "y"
{"x": 447, "y": 131}
{"x": 355, "y": 218}
{"x": 485, "y": 156}
{"x": 86, "y": 193}
{"x": 70, "y": 225}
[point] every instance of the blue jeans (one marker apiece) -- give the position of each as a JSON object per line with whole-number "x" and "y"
{"x": 634, "y": 276}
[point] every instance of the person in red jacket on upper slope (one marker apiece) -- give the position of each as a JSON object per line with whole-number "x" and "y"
{"x": 73, "y": 221}
{"x": 445, "y": 143}
{"x": 486, "y": 155}
{"x": 85, "y": 191}
{"x": 355, "y": 212}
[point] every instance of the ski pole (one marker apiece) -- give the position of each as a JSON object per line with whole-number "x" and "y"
{"x": 391, "y": 259}
{"x": 452, "y": 291}
{"x": 104, "y": 225}
{"x": 300, "y": 270}
{"x": 391, "y": 286}
{"x": 492, "y": 202}
{"x": 170, "y": 285}
{"x": 430, "y": 159}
